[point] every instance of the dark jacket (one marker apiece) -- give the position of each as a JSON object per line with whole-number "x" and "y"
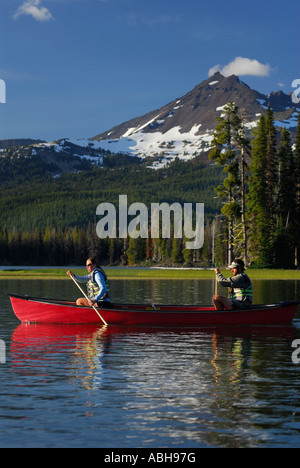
{"x": 241, "y": 288}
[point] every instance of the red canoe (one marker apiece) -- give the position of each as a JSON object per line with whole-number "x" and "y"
{"x": 34, "y": 310}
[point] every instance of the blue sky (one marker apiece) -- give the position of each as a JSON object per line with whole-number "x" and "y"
{"x": 75, "y": 68}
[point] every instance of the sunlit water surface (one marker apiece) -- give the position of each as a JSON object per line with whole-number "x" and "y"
{"x": 89, "y": 386}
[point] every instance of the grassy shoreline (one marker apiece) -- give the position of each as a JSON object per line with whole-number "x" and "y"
{"x": 160, "y": 273}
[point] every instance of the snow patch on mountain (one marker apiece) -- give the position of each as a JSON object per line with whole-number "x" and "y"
{"x": 168, "y": 146}
{"x": 289, "y": 123}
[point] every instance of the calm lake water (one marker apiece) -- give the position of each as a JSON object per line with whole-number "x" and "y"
{"x": 88, "y": 386}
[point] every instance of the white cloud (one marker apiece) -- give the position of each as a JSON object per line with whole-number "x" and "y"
{"x": 242, "y": 66}
{"x": 34, "y": 9}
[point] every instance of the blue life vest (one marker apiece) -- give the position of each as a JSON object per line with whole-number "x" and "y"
{"x": 93, "y": 287}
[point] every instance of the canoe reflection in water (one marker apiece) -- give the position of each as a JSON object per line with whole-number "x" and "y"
{"x": 91, "y": 348}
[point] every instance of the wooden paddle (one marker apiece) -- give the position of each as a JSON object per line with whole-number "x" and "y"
{"x": 99, "y": 315}
{"x": 216, "y": 285}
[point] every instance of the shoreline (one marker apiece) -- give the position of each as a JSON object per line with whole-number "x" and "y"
{"x": 135, "y": 273}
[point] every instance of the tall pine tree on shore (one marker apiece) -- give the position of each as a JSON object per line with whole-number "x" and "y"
{"x": 226, "y": 152}
{"x": 297, "y": 201}
{"x": 262, "y": 185}
{"x": 286, "y": 186}
{"x": 271, "y": 168}
{"x": 284, "y": 238}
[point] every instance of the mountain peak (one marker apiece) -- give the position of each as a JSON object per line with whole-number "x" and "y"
{"x": 184, "y": 127}
{"x": 180, "y": 129}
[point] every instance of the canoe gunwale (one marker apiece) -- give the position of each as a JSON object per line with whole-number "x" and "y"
{"x": 36, "y": 310}
{"x": 150, "y": 307}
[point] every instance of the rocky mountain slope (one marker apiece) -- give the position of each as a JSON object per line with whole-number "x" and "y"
{"x": 182, "y": 128}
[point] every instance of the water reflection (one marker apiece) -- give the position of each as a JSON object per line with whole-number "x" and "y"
{"x": 146, "y": 387}
{"x": 206, "y": 387}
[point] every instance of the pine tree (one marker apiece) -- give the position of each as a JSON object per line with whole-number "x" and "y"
{"x": 187, "y": 255}
{"x": 284, "y": 233}
{"x": 263, "y": 191}
{"x": 244, "y": 169}
{"x": 150, "y": 245}
{"x": 297, "y": 196}
{"x": 176, "y": 253}
{"x": 220, "y": 252}
{"x": 226, "y": 151}
{"x": 46, "y": 246}
{"x": 114, "y": 251}
{"x": 257, "y": 210}
{"x": 137, "y": 250}
{"x": 3, "y": 246}
{"x": 271, "y": 168}
{"x": 286, "y": 185}
{"x": 36, "y": 247}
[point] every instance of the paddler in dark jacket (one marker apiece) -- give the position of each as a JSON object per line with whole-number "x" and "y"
{"x": 240, "y": 292}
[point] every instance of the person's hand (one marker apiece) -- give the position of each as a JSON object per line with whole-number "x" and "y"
{"x": 217, "y": 271}
{"x": 70, "y": 273}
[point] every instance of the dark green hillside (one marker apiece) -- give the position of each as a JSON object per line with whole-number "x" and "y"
{"x": 4, "y": 144}
{"x": 32, "y": 198}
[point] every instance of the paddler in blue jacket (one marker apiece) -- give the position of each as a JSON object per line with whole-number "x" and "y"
{"x": 241, "y": 289}
{"x": 97, "y": 285}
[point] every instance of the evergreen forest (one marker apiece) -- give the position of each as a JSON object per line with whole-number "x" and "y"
{"x": 250, "y": 189}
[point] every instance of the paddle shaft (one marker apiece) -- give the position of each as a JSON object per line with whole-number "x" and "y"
{"x": 216, "y": 285}
{"x": 99, "y": 315}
